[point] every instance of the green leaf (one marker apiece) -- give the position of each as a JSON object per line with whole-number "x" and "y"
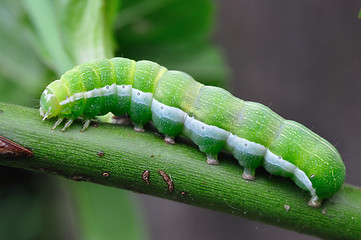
{"x": 71, "y": 32}
{"x": 87, "y": 28}
{"x": 160, "y": 21}
{"x": 47, "y": 31}
{"x": 174, "y": 33}
{"x": 22, "y": 74}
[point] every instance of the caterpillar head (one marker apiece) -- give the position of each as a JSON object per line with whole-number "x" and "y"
{"x": 49, "y": 104}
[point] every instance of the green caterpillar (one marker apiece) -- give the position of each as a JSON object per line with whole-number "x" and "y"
{"x": 210, "y": 116}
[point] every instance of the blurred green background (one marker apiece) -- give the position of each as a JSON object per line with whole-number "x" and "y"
{"x": 301, "y": 58}
{"x": 42, "y": 39}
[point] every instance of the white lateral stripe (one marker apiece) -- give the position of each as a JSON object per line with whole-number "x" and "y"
{"x": 66, "y": 101}
{"x": 77, "y": 96}
{"x": 109, "y": 90}
{"x": 140, "y": 97}
{"x": 124, "y": 90}
{"x": 193, "y": 125}
{"x": 165, "y": 111}
{"x": 245, "y": 146}
{"x": 97, "y": 92}
{"x": 289, "y": 167}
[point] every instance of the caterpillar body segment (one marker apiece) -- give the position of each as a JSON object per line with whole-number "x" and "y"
{"x": 211, "y": 117}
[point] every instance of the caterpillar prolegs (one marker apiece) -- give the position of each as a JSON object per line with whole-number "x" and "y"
{"x": 211, "y": 117}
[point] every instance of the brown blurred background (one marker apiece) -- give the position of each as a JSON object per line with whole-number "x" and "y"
{"x": 303, "y": 60}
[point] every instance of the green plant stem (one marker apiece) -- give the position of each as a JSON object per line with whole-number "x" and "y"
{"x": 117, "y": 156}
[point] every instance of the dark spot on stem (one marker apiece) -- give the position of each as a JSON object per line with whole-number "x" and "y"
{"x": 287, "y": 207}
{"x": 10, "y": 149}
{"x": 123, "y": 120}
{"x": 105, "y": 174}
{"x": 168, "y": 180}
{"x": 80, "y": 178}
{"x": 324, "y": 211}
{"x": 145, "y": 176}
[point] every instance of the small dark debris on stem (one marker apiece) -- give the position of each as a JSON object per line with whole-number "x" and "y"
{"x": 80, "y": 178}
{"x": 145, "y": 176}
{"x": 287, "y": 207}
{"x": 168, "y": 180}
{"x": 324, "y": 211}
{"x": 94, "y": 124}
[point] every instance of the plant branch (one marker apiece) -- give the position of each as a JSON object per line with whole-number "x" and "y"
{"x": 117, "y": 156}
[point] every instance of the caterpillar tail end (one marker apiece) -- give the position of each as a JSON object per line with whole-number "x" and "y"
{"x": 86, "y": 125}
{"x": 314, "y": 202}
{"x": 67, "y": 124}
{"x": 212, "y": 159}
{"x": 169, "y": 139}
{"x": 248, "y": 174}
